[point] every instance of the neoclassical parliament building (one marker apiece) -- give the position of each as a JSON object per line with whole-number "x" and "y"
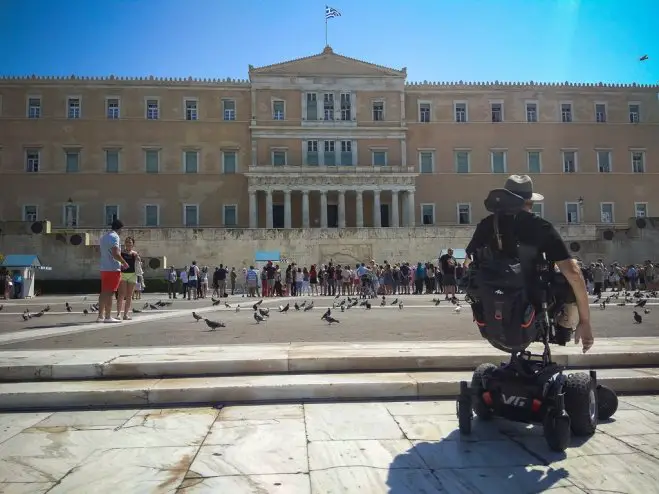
{"x": 325, "y": 141}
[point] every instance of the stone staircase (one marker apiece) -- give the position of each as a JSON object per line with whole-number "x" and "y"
{"x": 143, "y": 377}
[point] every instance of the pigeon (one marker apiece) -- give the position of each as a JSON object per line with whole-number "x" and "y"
{"x": 284, "y": 308}
{"x": 602, "y": 305}
{"x": 394, "y": 302}
{"x": 308, "y": 307}
{"x": 1, "y": 307}
{"x": 343, "y": 308}
{"x": 196, "y": 316}
{"x": 227, "y": 305}
{"x": 146, "y": 305}
{"x": 303, "y": 304}
{"x": 136, "y": 311}
{"x": 238, "y": 308}
{"x": 153, "y": 307}
{"x": 647, "y": 311}
{"x": 384, "y": 302}
{"x": 86, "y": 312}
{"x": 457, "y": 309}
{"x": 215, "y": 302}
{"x": 331, "y": 320}
{"x": 46, "y": 308}
{"x": 327, "y": 314}
{"x": 400, "y": 306}
{"x": 259, "y": 302}
{"x": 68, "y": 307}
{"x": 26, "y": 315}
{"x": 436, "y": 301}
{"x": 297, "y": 307}
{"x": 368, "y": 305}
{"x": 643, "y": 58}
{"x": 637, "y": 318}
{"x": 214, "y": 324}
{"x": 338, "y": 296}
{"x": 641, "y": 303}
{"x": 264, "y": 312}
{"x": 258, "y": 318}
{"x": 39, "y": 314}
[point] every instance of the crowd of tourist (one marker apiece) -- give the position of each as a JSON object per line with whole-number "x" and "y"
{"x": 615, "y": 276}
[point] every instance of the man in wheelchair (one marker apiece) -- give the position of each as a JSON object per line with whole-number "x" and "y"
{"x": 523, "y": 286}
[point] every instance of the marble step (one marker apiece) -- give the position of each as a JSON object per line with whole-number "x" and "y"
{"x": 267, "y": 388}
{"x": 137, "y": 363}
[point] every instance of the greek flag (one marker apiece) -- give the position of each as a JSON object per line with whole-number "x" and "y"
{"x": 331, "y": 12}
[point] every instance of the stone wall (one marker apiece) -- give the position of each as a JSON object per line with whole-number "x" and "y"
{"x": 235, "y": 247}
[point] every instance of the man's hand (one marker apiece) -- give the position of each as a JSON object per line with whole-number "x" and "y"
{"x": 584, "y": 333}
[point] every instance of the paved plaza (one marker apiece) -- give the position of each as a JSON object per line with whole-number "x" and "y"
{"x": 419, "y": 320}
{"x": 371, "y": 448}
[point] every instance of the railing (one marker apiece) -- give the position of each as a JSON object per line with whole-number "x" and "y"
{"x": 369, "y": 169}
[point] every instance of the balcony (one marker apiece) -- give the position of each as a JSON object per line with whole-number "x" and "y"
{"x": 329, "y": 170}
{"x": 330, "y": 124}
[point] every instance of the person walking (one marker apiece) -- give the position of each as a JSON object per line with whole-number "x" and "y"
{"x": 111, "y": 265}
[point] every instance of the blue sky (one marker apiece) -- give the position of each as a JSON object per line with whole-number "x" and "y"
{"x": 437, "y": 40}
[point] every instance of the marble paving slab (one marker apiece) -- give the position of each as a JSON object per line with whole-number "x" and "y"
{"x": 372, "y": 453}
{"x": 345, "y": 421}
{"x": 462, "y": 454}
{"x": 238, "y": 484}
{"x": 351, "y": 480}
{"x": 14, "y": 423}
{"x": 25, "y": 487}
{"x": 441, "y": 427}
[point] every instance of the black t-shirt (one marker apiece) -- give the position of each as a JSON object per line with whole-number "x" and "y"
{"x": 448, "y": 263}
{"x": 525, "y": 228}
{"x": 221, "y": 274}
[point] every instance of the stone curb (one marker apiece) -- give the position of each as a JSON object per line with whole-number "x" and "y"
{"x": 268, "y": 388}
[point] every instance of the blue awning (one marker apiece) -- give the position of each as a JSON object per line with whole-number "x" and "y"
{"x": 22, "y": 261}
{"x": 265, "y": 256}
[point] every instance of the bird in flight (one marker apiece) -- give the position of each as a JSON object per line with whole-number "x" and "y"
{"x": 644, "y": 58}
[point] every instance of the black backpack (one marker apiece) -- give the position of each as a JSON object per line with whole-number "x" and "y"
{"x": 191, "y": 272}
{"x": 501, "y": 306}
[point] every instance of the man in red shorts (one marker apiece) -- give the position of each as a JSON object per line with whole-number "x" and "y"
{"x": 111, "y": 265}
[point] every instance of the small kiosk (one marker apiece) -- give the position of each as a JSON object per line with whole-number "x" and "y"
{"x": 263, "y": 257}
{"x": 26, "y": 266}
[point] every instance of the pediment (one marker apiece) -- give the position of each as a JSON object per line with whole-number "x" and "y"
{"x": 326, "y": 63}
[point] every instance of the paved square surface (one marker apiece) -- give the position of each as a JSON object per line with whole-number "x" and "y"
{"x": 419, "y": 320}
{"x": 370, "y": 448}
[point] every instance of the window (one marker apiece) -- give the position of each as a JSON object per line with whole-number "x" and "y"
{"x": 112, "y": 108}
{"x": 191, "y": 161}
{"x": 328, "y": 106}
{"x": 638, "y": 161}
{"x": 531, "y": 112}
{"x": 569, "y": 162}
{"x": 152, "y": 109}
{"x": 30, "y": 213}
{"x": 533, "y": 161}
{"x": 426, "y": 162}
{"x": 312, "y": 106}
{"x": 379, "y": 158}
{"x": 641, "y": 209}
{"x": 460, "y": 111}
{"x": 278, "y": 110}
{"x": 32, "y": 160}
{"x": 70, "y": 215}
{"x": 634, "y": 113}
{"x": 229, "y": 162}
{"x": 230, "y": 215}
{"x": 329, "y": 153}
{"x": 346, "y": 107}
{"x": 604, "y": 161}
{"x": 538, "y": 209}
{"x": 424, "y": 112}
{"x": 34, "y": 107}
{"x": 606, "y": 212}
{"x": 278, "y": 158}
{"x": 312, "y": 153}
{"x": 111, "y": 161}
{"x": 498, "y": 161}
{"x": 600, "y": 112}
{"x": 73, "y": 107}
{"x": 496, "y": 110}
{"x": 572, "y": 212}
{"x": 191, "y": 112}
{"x": 346, "y": 153}
{"x": 111, "y": 213}
{"x": 378, "y": 111}
{"x": 229, "y": 109}
{"x": 462, "y": 161}
{"x": 464, "y": 214}
{"x": 152, "y": 160}
{"x": 190, "y": 215}
{"x": 427, "y": 214}
{"x": 566, "y": 112}
{"x": 72, "y": 161}
{"x": 151, "y": 215}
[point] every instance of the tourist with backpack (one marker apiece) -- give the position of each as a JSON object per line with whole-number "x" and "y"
{"x": 508, "y": 247}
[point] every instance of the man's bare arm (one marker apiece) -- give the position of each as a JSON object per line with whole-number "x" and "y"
{"x": 116, "y": 253}
{"x": 570, "y": 269}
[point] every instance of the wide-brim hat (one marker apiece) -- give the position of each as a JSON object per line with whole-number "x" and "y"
{"x": 522, "y": 185}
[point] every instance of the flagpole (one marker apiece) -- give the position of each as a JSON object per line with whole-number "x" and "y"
{"x": 326, "y": 44}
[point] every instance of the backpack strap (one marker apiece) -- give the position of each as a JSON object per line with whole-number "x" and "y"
{"x": 497, "y": 233}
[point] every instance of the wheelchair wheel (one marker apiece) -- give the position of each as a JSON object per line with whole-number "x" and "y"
{"x": 557, "y": 430}
{"x": 607, "y": 402}
{"x": 481, "y": 410}
{"x": 464, "y": 409}
{"x": 581, "y": 403}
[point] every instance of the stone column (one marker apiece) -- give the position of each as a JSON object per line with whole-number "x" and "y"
{"x": 403, "y": 153}
{"x": 411, "y": 209}
{"x": 377, "y": 217}
{"x": 287, "y": 209}
{"x": 323, "y": 209}
{"x": 359, "y": 207}
{"x": 268, "y": 209}
{"x": 253, "y": 210}
{"x": 254, "y": 152}
{"x": 305, "y": 209}
{"x": 395, "y": 221}
{"x": 342, "y": 209}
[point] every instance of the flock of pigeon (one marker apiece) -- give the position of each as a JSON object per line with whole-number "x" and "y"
{"x": 93, "y": 308}
{"x": 262, "y": 314}
{"x": 638, "y": 298}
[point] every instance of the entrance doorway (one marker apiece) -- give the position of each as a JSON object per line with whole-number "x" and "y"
{"x": 384, "y": 215}
{"x": 277, "y": 216}
{"x": 332, "y": 216}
